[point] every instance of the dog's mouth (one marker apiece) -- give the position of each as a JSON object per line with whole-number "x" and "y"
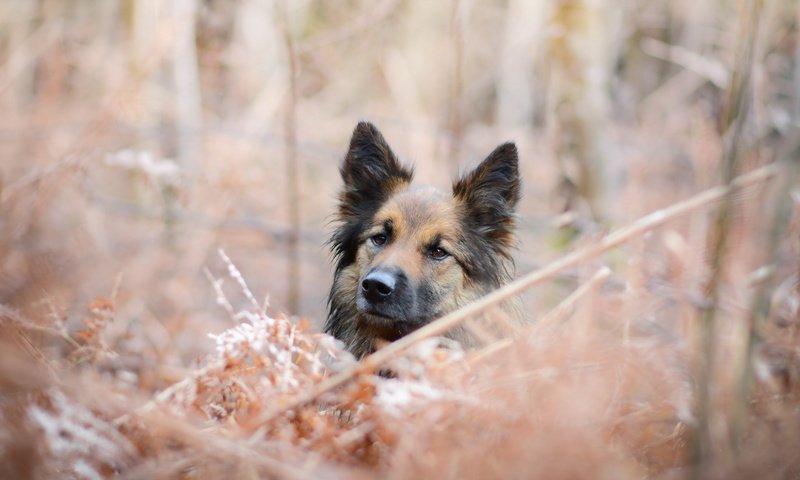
{"x": 384, "y": 327}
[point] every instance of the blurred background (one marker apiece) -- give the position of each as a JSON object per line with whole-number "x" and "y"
{"x": 138, "y": 137}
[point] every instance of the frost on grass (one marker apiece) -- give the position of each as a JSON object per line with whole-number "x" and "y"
{"x": 77, "y": 441}
{"x": 257, "y": 363}
{"x": 263, "y": 363}
{"x": 419, "y": 382}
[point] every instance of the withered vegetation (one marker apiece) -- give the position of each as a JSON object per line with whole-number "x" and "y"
{"x": 167, "y": 170}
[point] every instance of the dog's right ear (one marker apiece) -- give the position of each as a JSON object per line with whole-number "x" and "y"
{"x": 371, "y": 171}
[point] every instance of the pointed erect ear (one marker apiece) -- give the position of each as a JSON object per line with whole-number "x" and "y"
{"x": 490, "y": 193}
{"x": 371, "y": 171}
{"x": 371, "y": 174}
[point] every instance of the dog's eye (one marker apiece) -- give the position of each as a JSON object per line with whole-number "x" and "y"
{"x": 438, "y": 253}
{"x": 378, "y": 239}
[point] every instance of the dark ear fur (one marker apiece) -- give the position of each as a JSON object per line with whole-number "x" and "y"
{"x": 490, "y": 193}
{"x": 370, "y": 170}
{"x": 371, "y": 173}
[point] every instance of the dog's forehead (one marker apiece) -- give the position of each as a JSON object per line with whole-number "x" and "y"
{"x": 417, "y": 207}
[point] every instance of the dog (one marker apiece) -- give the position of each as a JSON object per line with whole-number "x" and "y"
{"x": 407, "y": 255}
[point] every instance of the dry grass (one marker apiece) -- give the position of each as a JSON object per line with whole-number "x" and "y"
{"x": 167, "y": 170}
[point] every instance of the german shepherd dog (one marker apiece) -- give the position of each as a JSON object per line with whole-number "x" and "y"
{"x": 407, "y": 255}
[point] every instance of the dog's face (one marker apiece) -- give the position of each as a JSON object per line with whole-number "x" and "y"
{"x": 407, "y": 256}
{"x": 409, "y": 263}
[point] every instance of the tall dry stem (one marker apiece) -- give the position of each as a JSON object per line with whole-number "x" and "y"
{"x": 292, "y": 176}
{"x": 771, "y": 240}
{"x": 734, "y": 121}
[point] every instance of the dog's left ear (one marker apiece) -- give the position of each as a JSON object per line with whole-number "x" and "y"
{"x": 490, "y": 193}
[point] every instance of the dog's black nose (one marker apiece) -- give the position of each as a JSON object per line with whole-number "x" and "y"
{"x": 378, "y": 285}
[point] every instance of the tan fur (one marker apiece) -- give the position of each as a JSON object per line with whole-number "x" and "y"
{"x": 418, "y": 218}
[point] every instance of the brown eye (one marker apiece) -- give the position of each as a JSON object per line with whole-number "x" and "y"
{"x": 378, "y": 239}
{"x": 438, "y": 253}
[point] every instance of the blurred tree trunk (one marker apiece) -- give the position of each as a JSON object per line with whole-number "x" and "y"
{"x": 580, "y": 61}
{"x": 292, "y": 176}
{"x": 186, "y": 82}
{"x": 458, "y": 16}
{"x": 516, "y": 85}
{"x": 258, "y": 38}
{"x": 797, "y": 67}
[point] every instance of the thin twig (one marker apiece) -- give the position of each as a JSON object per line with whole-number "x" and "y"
{"x": 564, "y": 308}
{"x": 710, "y": 69}
{"x": 237, "y": 276}
{"x": 18, "y": 320}
{"x": 276, "y": 232}
{"x": 373, "y": 19}
{"x": 222, "y": 300}
{"x": 164, "y": 395}
{"x": 557, "y": 314}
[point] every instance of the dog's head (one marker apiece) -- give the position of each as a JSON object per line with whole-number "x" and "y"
{"x": 408, "y": 255}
